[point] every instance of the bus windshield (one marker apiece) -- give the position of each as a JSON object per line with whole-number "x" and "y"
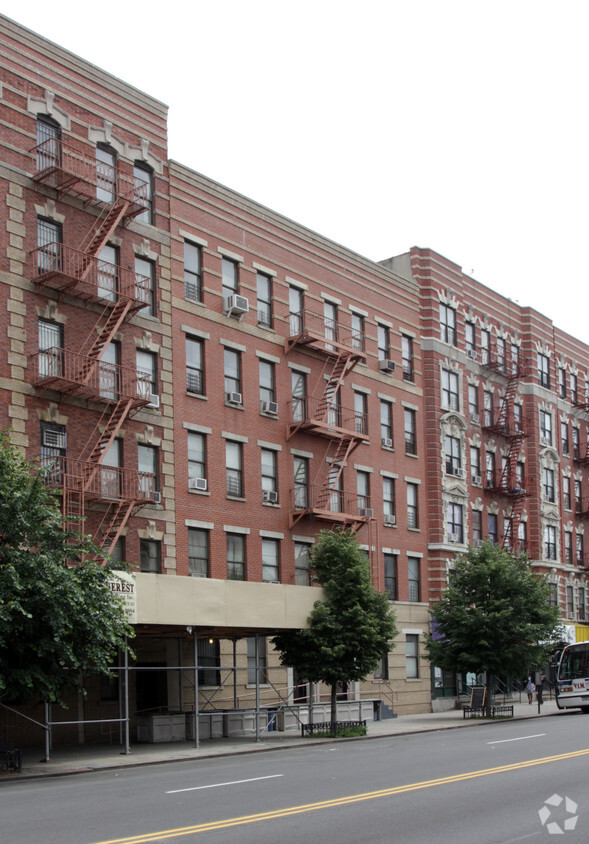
{"x": 574, "y": 662}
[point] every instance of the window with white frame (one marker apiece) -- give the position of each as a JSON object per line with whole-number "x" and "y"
{"x": 195, "y": 381}
{"x": 388, "y": 500}
{"x": 192, "y": 271}
{"x": 477, "y": 527}
{"x": 450, "y": 395}
{"x": 454, "y": 522}
{"x": 475, "y": 464}
{"x": 264, "y": 294}
{"x": 469, "y": 338}
{"x": 358, "y": 332}
{"x": 295, "y": 310}
{"x": 360, "y": 413}
{"x": 548, "y": 484}
{"x": 412, "y": 656}
{"x": 234, "y": 468}
{"x": 147, "y": 268}
{"x": 453, "y": 449}
{"x": 386, "y": 423}
{"x": 409, "y": 421}
{"x": 235, "y": 556}
{"x": 198, "y": 552}
{"x": 473, "y": 403}
{"x": 580, "y": 552}
{"x": 390, "y": 576}
{"x": 230, "y": 279}
{"x": 232, "y": 371}
{"x": 150, "y": 553}
{"x": 573, "y": 385}
{"x": 382, "y": 333}
{"x": 414, "y": 578}
{"x": 545, "y": 428}
{"x": 568, "y": 547}
{"x": 302, "y": 563}
{"x": 407, "y": 358}
{"x": 301, "y": 483}
{"x": 299, "y": 395}
{"x": 492, "y": 527}
{"x": 562, "y": 384}
{"x": 269, "y": 479}
{"x": 412, "y": 506}
{"x": 543, "y": 370}
{"x": 146, "y": 363}
{"x": 270, "y": 560}
{"x": 197, "y": 461}
{"x": 485, "y": 343}
{"x": 267, "y": 384}
{"x": 262, "y": 661}
{"x": 566, "y": 492}
{"x": 362, "y": 491}
{"x": 549, "y": 542}
{"x": 447, "y": 324}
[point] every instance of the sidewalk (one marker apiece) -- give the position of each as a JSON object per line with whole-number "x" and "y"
{"x": 84, "y": 758}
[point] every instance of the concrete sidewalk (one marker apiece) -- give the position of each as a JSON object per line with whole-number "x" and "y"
{"x": 84, "y": 758}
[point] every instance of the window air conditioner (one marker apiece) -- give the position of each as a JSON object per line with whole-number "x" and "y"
{"x": 544, "y": 441}
{"x": 196, "y": 574}
{"x": 157, "y": 498}
{"x": 387, "y": 442}
{"x": 154, "y": 401}
{"x": 236, "y": 305}
{"x": 234, "y": 398}
{"x": 368, "y": 513}
{"x": 54, "y": 439}
{"x": 269, "y": 496}
{"x": 270, "y": 407}
{"x": 386, "y": 365}
{"x": 477, "y": 480}
{"x": 390, "y": 521}
{"x": 197, "y": 483}
{"x": 475, "y": 418}
{"x": 472, "y": 353}
{"x": 453, "y": 537}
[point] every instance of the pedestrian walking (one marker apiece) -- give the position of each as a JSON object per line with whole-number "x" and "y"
{"x": 530, "y": 689}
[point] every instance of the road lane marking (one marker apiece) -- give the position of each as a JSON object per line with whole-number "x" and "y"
{"x": 162, "y": 835}
{"x": 219, "y": 784}
{"x": 519, "y": 738}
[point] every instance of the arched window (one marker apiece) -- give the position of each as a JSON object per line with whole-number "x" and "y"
{"x": 106, "y": 173}
{"x": 143, "y": 179}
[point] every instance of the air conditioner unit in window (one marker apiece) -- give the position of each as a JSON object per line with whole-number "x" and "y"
{"x": 477, "y": 480}
{"x": 236, "y": 305}
{"x": 387, "y": 442}
{"x": 157, "y": 498}
{"x": 390, "y": 521}
{"x": 196, "y": 574}
{"x": 368, "y": 512}
{"x": 154, "y": 401}
{"x": 453, "y": 537}
{"x": 234, "y": 398}
{"x": 197, "y": 483}
{"x": 472, "y": 353}
{"x": 386, "y": 365}
{"x": 475, "y": 418}
{"x": 269, "y": 496}
{"x": 544, "y": 441}
{"x": 459, "y": 473}
{"x": 54, "y": 439}
{"x": 477, "y": 542}
{"x": 270, "y": 407}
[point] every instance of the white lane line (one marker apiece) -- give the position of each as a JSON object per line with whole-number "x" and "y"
{"x": 219, "y": 784}
{"x": 520, "y": 738}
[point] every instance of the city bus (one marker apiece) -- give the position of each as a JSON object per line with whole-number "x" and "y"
{"x": 572, "y": 677}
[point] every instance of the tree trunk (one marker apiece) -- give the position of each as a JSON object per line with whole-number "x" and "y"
{"x": 489, "y": 697}
{"x": 334, "y": 703}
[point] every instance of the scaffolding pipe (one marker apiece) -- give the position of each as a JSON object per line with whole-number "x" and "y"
{"x": 127, "y": 750}
{"x": 257, "y": 660}
{"x": 235, "y": 673}
{"x": 196, "y": 715}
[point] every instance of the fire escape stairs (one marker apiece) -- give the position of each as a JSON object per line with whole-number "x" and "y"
{"x": 343, "y": 364}
{"x": 101, "y": 231}
{"x": 345, "y": 447}
{"x": 113, "y": 522}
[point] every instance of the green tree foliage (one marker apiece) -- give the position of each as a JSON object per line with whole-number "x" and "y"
{"x": 58, "y": 616}
{"x": 495, "y": 616}
{"x": 351, "y": 630}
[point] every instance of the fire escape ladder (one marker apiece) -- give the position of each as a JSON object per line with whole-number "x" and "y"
{"x": 508, "y": 479}
{"x": 506, "y": 411}
{"x": 116, "y": 316}
{"x": 511, "y": 535}
{"x": 345, "y": 447}
{"x": 111, "y": 527}
{"x": 73, "y": 506}
{"x": 343, "y": 363}
{"x": 101, "y": 231}
{"x": 103, "y": 437}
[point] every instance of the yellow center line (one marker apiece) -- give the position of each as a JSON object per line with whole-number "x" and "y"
{"x": 337, "y": 801}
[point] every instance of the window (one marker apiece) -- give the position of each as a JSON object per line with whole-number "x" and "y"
{"x": 386, "y": 423}
{"x": 485, "y": 343}
{"x": 301, "y": 483}
{"x": 147, "y": 465}
{"x": 492, "y": 527}
{"x": 362, "y": 491}
{"x": 566, "y": 492}
{"x": 334, "y": 413}
{"x": 150, "y": 555}
{"x": 518, "y": 418}
{"x": 414, "y": 578}
{"x": 490, "y": 469}
{"x": 573, "y": 384}
{"x": 143, "y": 179}
{"x": 108, "y": 273}
{"x": 545, "y": 428}
{"x": 198, "y": 552}
{"x": 578, "y": 494}
{"x": 548, "y": 484}
{"x": 358, "y": 332}
{"x": 230, "y": 279}
{"x": 454, "y": 523}
{"x": 543, "y": 370}
{"x": 235, "y": 556}
{"x": 195, "y": 376}
{"x": 450, "y": 390}
{"x": 382, "y": 336}
{"x": 302, "y": 564}
{"x": 553, "y": 594}
{"x": 146, "y": 268}
{"x": 146, "y": 363}
{"x": 53, "y": 448}
{"x": 412, "y": 506}
{"x": 49, "y": 239}
{"x": 409, "y": 421}
{"x": 106, "y": 173}
{"x": 381, "y": 672}
{"x": 269, "y": 472}
{"x": 501, "y": 352}
{"x": 267, "y": 389}
{"x": 579, "y": 549}
{"x": 270, "y": 561}
{"x": 360, "y": 413}
{"x": 564, "y": 438}
{"x": 562, "y": 384}
{"x": 110, "y": 474}
{"x": 514, "y": 358}
{"x": 390, "y": 577}
{"x": 251, "y": 661}
{"x": 330, "y": 322}
{"x": 388, "y": 500}
{"x": 192, "y": 271}
{"x": 581, "y": 603}
{"x": 488, "y": 408}
{"x": 568, "y": 547}
{"x": 48, "y": 142}
{"x": 295, "y": 310}
{"x": 232, "y": 371}
{"x": 475, "y": 464}
{"x": 453, "y": 456}
{"x": 407, "y": 358}
{"x": 576, "y": 443}
{"x": 412, "y": 656}
{"x": 469, "y": 338}
{"x": 209, "y": 662}
{"x": 197, "y": 464}
{"x": 299, "y": 395}
{"x": 477, "y": 527}
{"x": 50, "y": 348}
{"x": 447, "y": 324}
{"x": 336, "y": 487}
{"x": 233, "y": 468}
{"x": 264, "y": 294}
{"x": 550, "y": 542}
{"x": 473, "y": 403}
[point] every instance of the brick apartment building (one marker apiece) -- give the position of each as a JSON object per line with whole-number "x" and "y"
{"x": 212, "y": 383}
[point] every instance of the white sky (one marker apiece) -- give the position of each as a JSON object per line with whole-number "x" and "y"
{"x": 382, "y": 124}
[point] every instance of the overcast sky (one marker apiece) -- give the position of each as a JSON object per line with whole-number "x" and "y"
{"x": 462, "y": 126}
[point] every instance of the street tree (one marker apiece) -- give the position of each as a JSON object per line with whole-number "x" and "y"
{"x": 348, "y": 632}
{"x": 495, "y": 616}
{"x": 58, "y": 614}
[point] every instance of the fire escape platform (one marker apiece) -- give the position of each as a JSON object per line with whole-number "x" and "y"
{"x": 97, "y": 482}
{"x": 332, "y": 338}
